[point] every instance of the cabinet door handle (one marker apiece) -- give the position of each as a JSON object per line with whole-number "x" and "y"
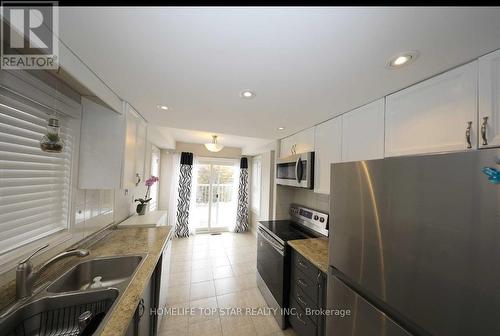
{"x": 304, "y": 266}
{"x": 302, "y": 283}
{"x": 467, "y": 134}
{"x": 301, "y": 300}
{"x": 138, "y": 177}
{"x": 483, "y": 131}
{"x": 141, "y": 309}
{"x": 300, "y": 319}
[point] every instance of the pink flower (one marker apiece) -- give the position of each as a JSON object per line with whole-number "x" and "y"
{"x": 150, "y": 181}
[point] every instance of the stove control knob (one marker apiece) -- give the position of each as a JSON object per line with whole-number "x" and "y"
{"x": 316, "y": 217}
{"x": 322, "y": 219}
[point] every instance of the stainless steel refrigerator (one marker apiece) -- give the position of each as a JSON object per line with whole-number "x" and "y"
{"x": 415, "y": 246}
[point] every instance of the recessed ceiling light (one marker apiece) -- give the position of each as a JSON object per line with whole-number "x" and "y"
{"x": 247, "y": 94}
{"x": 162, "y": 107}
{"x": 280, "y": 128}
{"x": 402, "y": 59}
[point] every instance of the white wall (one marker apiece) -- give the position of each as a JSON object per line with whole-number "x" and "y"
{"x": 166, "y": 166}
{"x": 201, "y": 150}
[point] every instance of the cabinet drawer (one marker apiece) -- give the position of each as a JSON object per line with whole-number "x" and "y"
{"x": 308, "y": 286}
{"x": 305, "y": 266}
{"x": 305, "y": 301}
{"x": 301, "y": 323}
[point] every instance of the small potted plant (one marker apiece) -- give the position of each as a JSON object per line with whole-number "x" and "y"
{"x": 143, "y": 202}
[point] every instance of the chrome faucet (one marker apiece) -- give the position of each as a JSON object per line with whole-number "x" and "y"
{"x": 26, "y": 277}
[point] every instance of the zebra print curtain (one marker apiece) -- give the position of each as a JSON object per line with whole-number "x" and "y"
{"x": 183, "y": 202}
{"x": 242, "y": 210}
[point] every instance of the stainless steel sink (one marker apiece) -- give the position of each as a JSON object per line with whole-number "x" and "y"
{"x": 111, "y": 270}
{"x": 57, "y": 315}
{"x": 55, "y": 309}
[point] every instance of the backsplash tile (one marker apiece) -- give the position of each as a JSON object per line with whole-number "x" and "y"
{"x": 308, "y": 198}
{"x": 106, "y": 201}
{"x": 312, "y": 200}
{"x": 93, "y": 210}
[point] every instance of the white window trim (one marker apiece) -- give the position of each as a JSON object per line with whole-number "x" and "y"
{"x": 155, "y": 151}
{"x": 256, "y": 209}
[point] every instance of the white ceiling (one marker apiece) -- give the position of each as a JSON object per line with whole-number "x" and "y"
{"x": 305, "y": 64}
{"x": 249, "y": 145}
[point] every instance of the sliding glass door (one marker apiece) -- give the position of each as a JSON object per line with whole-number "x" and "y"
{"x": 215, "y": 199}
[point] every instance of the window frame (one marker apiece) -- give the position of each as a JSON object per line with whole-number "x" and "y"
{"x": 47, "y": 92}
{"x": 155, "y": 152}
{"x": 256, "y": 160}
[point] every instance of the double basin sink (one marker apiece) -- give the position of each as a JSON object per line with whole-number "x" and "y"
{"x": 76, "y": 303}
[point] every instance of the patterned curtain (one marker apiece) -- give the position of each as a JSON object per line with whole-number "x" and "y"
{"x": 185, "y": 178}
{"x": 242, "y": 210}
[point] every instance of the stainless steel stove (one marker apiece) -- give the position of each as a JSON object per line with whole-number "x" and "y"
{"x": 273, "y": 255}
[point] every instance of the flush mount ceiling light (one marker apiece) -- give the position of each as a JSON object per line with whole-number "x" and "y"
{"x": 402, "y": 59}
{"x": 214, "y": 146}
{"x": 280, "y": 128}
{"x": 247, "y": 94}
{"x": 162, "y": 107}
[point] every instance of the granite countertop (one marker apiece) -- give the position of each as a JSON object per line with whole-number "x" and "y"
{"x": 124, "y": 241}
{"x": 313, "y": 249}
{"x": 117, "y": 242}
{"x": 150, "y": 219}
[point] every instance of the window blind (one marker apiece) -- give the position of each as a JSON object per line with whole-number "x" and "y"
{"x": 34, "y": 185}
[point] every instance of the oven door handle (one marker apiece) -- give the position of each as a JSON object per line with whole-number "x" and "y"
{"x": 264, "y": 236}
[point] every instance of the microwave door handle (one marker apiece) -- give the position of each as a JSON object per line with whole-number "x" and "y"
{"x": 297, "y": 177}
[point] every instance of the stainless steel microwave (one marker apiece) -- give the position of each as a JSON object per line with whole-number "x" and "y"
{"x": 296, "y": 170}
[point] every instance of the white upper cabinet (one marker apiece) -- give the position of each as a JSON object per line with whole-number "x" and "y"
{"x": 363, "y": 132}
{"x": 489, "y": 100}
{"x": 301, "y": 142}
{"x": 101, "y": 147}
{"x": 112, "y": 147}
{"x": 135, "y": 148}
{"x": 140, "y": 148}
{"x": 328, "y": 150}
{"x": 434, "y": 115}
{"x": 304, "y": 141}
{"x": 286, "y": 146}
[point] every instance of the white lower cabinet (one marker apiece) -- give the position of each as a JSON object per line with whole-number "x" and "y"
{"x": 328, "y": 150}
{"x": 489, "y": 100}
{"x": 363, "y": 132}
{"x": 436, "y": 115}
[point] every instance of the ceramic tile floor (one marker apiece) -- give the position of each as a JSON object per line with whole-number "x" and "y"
{"x": 216, "y": 274}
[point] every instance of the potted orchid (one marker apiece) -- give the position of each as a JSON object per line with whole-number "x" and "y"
{"x": 143, "y": 202}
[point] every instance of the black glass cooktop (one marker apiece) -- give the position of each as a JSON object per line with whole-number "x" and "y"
{"x": 283, "y": 230}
